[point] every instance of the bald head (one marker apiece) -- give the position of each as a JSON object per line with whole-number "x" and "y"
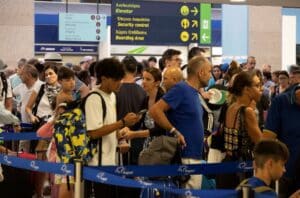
{"x": 199, "y": 71}
{"x": 171, "y": 76}
{"x": 266, "y": 68}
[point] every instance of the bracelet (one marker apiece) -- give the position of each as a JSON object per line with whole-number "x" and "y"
{"x": 123, "y": 121}
{"x": 174, "y": 132}
{"x": 173, "y": 129}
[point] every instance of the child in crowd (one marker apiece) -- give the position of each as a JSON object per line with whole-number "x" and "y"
{"x": 270, "y": 157}
{"x": 66, "y": 78}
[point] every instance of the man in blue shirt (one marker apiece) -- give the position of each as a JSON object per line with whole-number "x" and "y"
{"x": 180, "y": 112}
{"x": 283, "y": 123}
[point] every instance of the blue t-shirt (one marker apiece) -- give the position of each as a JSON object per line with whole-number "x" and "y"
{"x": 15, "y": 80}
{"x": 211, "y": 83}
{"x": 186, "y": 115}
{"x": 256, "y": 182}
{"x": 78, "y": 85}
{"x": 284, "y": 120}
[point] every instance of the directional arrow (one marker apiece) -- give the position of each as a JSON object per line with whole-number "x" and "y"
{"x": 194, "y": 11}
{"x": 204, "y": 37}
{"x": 195, "y": 23}
{"x": 194, "y": 36}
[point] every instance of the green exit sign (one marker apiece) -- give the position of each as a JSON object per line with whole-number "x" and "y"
{"x": 205, "y": 23}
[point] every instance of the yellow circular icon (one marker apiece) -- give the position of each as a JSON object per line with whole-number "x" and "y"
{"x": 185, "y": 23}
{"x": 184, "y": 10}
{"x": 184, "y": 36}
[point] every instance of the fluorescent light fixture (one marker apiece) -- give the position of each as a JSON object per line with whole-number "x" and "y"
{"x": 237, "y": 1}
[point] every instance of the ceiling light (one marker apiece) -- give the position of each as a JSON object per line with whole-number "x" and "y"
{"x": 237, "y": 1}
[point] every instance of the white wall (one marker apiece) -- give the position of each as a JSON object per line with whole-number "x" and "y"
{"x": 264, "y": 35}
{"x": 288, "y": 41}
{"x": 16, "y": 30}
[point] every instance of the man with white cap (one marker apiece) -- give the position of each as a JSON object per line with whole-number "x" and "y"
{"x": 86, "y": 62}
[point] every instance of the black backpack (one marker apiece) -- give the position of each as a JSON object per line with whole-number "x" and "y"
{"x": 4, "y": 85}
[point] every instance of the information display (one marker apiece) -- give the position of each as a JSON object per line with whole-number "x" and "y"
{"x": 160, "y": 23}
{"x": 82, "y": 27}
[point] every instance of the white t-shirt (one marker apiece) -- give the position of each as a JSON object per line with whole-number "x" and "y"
{"x": 9, "y": 93}
{"x": 44, "y": 108}
{"x": 25, "y": 93}
{"x": 94, "y": 120}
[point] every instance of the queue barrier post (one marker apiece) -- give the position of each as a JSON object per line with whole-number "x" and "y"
{"x": 246, "y": 191}
{"x": 277, "y": 187}
{"x": 78, "y": 178}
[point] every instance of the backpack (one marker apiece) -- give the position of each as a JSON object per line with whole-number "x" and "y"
{"x": 70, "y": 132}
{"x": 258, "y": 189}
{"x": 217, "y": 138}
{"x": 4, "y": 85}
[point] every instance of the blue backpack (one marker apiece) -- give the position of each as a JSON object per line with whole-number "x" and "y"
{"x": 70, "y": 134}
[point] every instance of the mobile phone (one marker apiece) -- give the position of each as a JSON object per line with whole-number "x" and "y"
{"x": 141, "y": 112}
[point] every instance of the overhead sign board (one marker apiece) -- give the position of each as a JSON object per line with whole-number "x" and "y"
{"x": 160, "y": 23}
{"x": 67, "y": 49}
{"x": 82, "y": 27}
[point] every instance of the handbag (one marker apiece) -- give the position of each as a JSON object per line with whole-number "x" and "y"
{"x": 160, "y": 151}
{"x": 46, "y": 130}
{"x": 217, "y": 138}
{"x": 245, "y": 144}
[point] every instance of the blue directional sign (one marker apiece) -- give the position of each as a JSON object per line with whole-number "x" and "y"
{"x": 162, "y": 23}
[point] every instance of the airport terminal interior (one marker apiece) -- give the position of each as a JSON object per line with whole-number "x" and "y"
{"x": 149, "y": 98}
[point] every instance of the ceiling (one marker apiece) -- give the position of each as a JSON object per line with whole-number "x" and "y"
{"x": 283, "y": 3}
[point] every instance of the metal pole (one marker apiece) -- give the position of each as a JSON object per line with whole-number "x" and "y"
{"x": 245, "y": 191}
{"x": 78, "y": 177}
{"x": 97, "y": 6}
{"x": 277, "y": 187}
{"x": 67, "y": 6}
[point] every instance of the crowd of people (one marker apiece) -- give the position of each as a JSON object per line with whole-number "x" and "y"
{"x": 137, "y": 102}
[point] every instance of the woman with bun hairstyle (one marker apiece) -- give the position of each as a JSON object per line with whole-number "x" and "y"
{"x": 241, "y": 130}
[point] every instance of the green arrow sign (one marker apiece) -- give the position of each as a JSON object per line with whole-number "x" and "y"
{"x": 205, "y": 23}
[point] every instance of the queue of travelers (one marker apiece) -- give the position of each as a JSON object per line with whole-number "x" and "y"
{"x": 218, "y": 113}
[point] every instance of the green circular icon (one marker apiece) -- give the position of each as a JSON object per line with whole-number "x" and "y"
{"x": 184, "y": 36}
{"x": 185, "y": 23}
{"x": 184, "y": 10}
